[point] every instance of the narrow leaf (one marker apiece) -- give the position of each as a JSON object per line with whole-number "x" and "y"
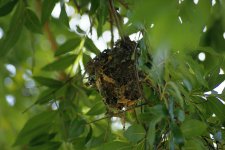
{"x": 91, "y": 46}
{"x": 89, "y": 135}
{"x": 7, "y": 8}
{"x": 217, "y": 107}
{"x": 63, "y": 16}
{"x": 177, "y": 93}
{"x": 61, "y": 63}
{"x": 32, "y": 22}
{"x": 47, "y": 8}
{"x": 45, "y": 97}
{"x": 14, "y": 30}
{"x": 68, "y": 46}
{"x": 46, "y": 146}
{"x": 48, "y": 82}
{"x": 177, "y": 135}
{"x": 97, "y": 109}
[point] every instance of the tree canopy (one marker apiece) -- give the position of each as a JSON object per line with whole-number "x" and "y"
{"x": 112, "y": 74}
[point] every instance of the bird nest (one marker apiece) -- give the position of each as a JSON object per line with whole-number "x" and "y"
{"x": 113, "y": 73}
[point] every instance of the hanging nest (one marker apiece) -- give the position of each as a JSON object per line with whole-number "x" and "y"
{"x": 113, "y": 73}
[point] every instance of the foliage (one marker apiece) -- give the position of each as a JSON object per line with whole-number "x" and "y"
{"x": 43, "y": 59}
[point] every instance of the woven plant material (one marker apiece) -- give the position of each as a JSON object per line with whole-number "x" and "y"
{"x": 113, "y": 74}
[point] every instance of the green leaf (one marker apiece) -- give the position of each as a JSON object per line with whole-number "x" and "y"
{"x": 151, "y": 131}
{"x": 102, "y": 14}
{"x": 60, "y": 64}
{"x": 48, "y": 82}
{"x": 180, "y": 115}
{"x": 42, "y": 138}
{"x": 32, "y": 22}
{"x": 115, "y": 145}
{"x": 35, "y": 126}
{"x": 94, "y": 6}
{"x": 177, "y": 93}
{"x": 46, "y": 146}
{"x": 91, "y": 46}
{"x": 89, "y": 135}
{"x": 45, "y": 97}
{"x": 177, "y": 135}
{"x": 47, "y": 8}
{"x": 76, "y": 128}
{"x": 191, "y": 128}
{"x": 135, "y": 133}
{"x": 197, "y": 15}
{"x": 86, "y": 59}
{"x": 7, "y": 8}
{"x": 63, "y": 16}
{"x": 194, "y": 144}
{"x": 68, "y": 46}
{"x": 217, "y": 107}
{"x": 79, "y": 143}
{"x": 97, "y": 109}
{"x": 15, "y": 28}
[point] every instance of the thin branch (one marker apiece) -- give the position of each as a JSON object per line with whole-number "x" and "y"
{"x": 111, "y": 27}
{"x": 47, "y": 30}
{"x": 50, "y": 37}
{"x": 76, "y": 4}
{"x": 115, "y": 17}
{"x": 120, "y": 112}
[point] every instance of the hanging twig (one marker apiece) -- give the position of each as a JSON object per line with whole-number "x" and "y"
{"x": 115, "y": 17}
{"x": 111, "y": 27}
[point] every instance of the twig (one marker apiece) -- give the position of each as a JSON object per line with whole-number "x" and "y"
{"x": 50, "y": 36}
{"x": 114, "y": 14}
{"x": 111, "y": 28}
{"x": 137, "y": 74}
{"x": 120, "y": 112}
{"x": 76, "y": 4}
{"x": 47, "y": 30}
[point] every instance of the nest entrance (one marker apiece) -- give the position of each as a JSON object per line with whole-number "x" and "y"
{"x": 113, "y": 74}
